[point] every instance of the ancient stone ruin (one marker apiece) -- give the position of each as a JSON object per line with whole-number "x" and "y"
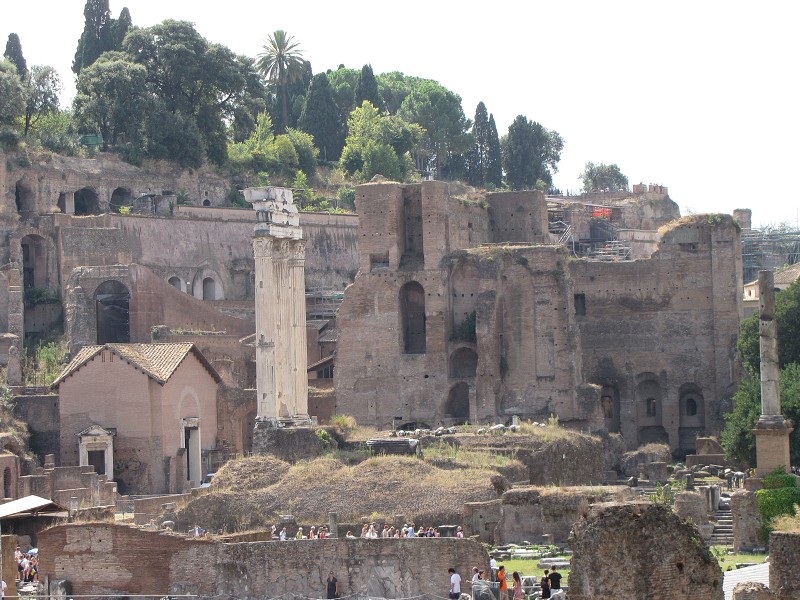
{"x": 640, "y": 551}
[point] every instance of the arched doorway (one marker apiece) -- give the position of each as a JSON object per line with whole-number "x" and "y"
{"x": 649, "y": 412}
{"x": 87, "y": 202}
{"x": 463, "y": 363}
{"x": 34, "y": 262}
{"x": 120, "y": 197}
{"x": 412, "y": 310}
{"x": 176, "y": 282}
{"x": 209, "y": 289}
{"x": 609, "y": 402}
{"x": 112, "y": 300}
{"x": 691, "y": 405}
{"x": 457, "y": 406}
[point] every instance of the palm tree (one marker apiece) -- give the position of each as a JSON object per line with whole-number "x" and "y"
{"x": 281, "y": 63}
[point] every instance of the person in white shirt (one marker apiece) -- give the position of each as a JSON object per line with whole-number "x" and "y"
{"x": 493, "y": 566}
{"x": 455, "y": 584}
{"x": 476, "y": 574}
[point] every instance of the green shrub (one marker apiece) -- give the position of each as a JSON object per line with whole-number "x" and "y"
{"x": 779, "y": 497}
{"x": 124, "y": 210}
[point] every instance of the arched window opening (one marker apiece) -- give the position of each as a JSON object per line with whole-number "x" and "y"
{"x": 209, "y": 289}
{"x": 206, "y": 202}
{"x": 457, "y": 406}
{"x": 175, "y": 282}
{"x": 412, "y": 309}
{"x": 23, "y": 198}
{"x": 112, "y": 300}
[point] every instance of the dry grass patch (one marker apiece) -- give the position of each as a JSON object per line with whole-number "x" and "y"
{"x": 787, "y": 523}
{"x": 251, "y": 473}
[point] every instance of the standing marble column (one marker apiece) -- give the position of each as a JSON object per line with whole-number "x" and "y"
{"x": 771, "y": 431}
{"x": 281, "y": 355}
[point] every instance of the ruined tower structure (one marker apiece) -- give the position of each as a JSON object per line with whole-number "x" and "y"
{"x": 472, "y": 309}
{"x": 281, "y": 354}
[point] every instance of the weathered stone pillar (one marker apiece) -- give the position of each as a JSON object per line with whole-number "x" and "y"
{"x": 69, "y": 203}
{"x": 771, "y": 431}
{"x": 281, "y": 355}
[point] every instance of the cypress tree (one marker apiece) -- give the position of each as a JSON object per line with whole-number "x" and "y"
{"x": 494, "y": 156}
{"x": 119, "y": 28}
{"x": 320, "y": 118}
{"x": 14, "y": 54}
{"x": 367, "y": 89}
{"x": 478, "y": 155}
{"x": 97, "y": 34}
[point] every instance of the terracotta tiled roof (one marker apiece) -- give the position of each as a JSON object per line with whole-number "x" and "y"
{"x": 788, "y": 275}
{"x": 157, "y": 361}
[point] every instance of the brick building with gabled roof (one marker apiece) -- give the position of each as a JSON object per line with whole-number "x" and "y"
{"x": 148, "y": 412}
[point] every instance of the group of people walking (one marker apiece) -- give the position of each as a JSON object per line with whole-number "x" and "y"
{"x": 549, "y": 583}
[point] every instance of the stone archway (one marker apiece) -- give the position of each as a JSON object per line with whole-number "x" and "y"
{"x": 463, "y": 363}
{"x": 112, "y": 300}
{"x": 207, "y": 286}
{"x": 87, "y": 202}
{"x": 120, "y": 197}
{"x": 691, "y": 405}
{"x": 24, "y": 198}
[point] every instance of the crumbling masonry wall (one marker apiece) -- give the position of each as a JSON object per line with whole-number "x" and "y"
{"x": 116, "y": 559}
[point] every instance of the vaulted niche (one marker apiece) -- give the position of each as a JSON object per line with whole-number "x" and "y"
{"x": 412, "y": 311}
{"x": 457, "y": 406}
{"x": 463, "y": 363}
{"x": 87, "y": 202}
{"x": 112, "y": 299}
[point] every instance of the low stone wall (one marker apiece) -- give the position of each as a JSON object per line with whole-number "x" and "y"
{"x": 116, "y": 559}
{"x": 746, "y": 521}
{"x": 784, "y": 566}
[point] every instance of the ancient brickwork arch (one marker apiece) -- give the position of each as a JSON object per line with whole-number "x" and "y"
{"x": 463, "y": 363}
{"x": 207, "y": 285}
{"x": 649, "y": 409}
{"x": 691, "y": 405}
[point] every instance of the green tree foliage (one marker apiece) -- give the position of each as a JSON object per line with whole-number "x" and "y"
{"x": 57, "y": 131}
{"x": 478, "y": 155}
{"x": 737, "y": 437}
{"x": 395, "y": 87}
{"x": 188, "y": 75}
{"x": 530, "y": 154}
{"x": 599, "y": 177}
{"x": 320, "y": 118}
{"x": 120, "y": 28}
{"x": 249, "y": 103}
{"x": 172, "y": 135}
{"x": 787, "y": 314}
{"x": 12, "y": 94}
{"x": 438, "y": 111}
{"x": 367, "y": 89}
{"x": 97, "y": 36}
{"x": 306, "y": 150}
{"x": 780, "y": 496}
{"x": 14, "y": 54}
{"x": 494, "y": 159}
{"x": 43, "y": 86}
{"x": 112, "y": 98}
{"x": 343, "y": 86}
{"x": 379, "y": 144}
{"x": 281, "y": 63}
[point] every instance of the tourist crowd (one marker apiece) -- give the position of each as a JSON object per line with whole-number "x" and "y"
{"x": 369, "y": 531}
{"x": 27, "y": 565}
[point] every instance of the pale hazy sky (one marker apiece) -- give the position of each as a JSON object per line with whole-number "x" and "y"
{"x": 701, "y": 96}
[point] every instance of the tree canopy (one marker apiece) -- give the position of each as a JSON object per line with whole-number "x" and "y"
{"x": 101, "y": 33}
{"x": 43, "y": 86}
{"x": 14, "y": 54}
{"x": 367, "y": 89}
{"x": 12, "y": 93}
{"x": 600, "y": 177}
{"x": 530, "y": 154}
{"x": 281, "y": 63}
{"x": 320, "y": 118}
{"x": 787, "y": 315}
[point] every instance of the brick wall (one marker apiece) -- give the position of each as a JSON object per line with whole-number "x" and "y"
{"x": 784, "y": 568}
{"x": 115, "y": 559}
{"x": 41, "y": 413}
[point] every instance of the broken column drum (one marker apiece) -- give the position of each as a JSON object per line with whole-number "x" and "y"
{"x": 281, "y": 355}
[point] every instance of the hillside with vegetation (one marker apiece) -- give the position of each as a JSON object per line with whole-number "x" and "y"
{"x": 166, "y": 92}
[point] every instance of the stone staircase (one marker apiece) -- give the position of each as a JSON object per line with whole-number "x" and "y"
{"x": 723, "y": 528}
